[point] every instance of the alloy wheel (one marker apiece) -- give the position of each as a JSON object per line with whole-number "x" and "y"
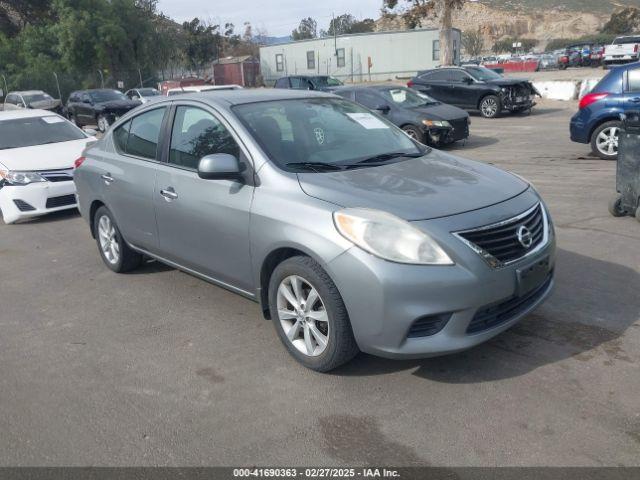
{"x": 303, "y": 316}
{"x": 607, "y": 141}
{"x": 103, "y": 124}
{"x": 489, "y": 107}
{"x": 411, "y": 133}
{"x": 108, "y": 240}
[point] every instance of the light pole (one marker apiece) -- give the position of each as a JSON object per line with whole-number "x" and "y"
{"x": 101, "y": 78}
{"x": 6, "y": 88}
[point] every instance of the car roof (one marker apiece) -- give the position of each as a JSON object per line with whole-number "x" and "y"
{"x": 26, "y": 113}
{"x": 26, "y": 92}
{"x": 229, "y": 98}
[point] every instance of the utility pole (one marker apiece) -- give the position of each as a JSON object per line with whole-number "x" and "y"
{"x": 6, "y": 88}
{"x": 58, "y": 85}
{"x": 140, "y": 77}
{"x": 101, "y": 78}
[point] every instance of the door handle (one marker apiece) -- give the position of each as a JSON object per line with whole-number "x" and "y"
{"x": 107, "y": 178}
{"x": 169, "y": 194}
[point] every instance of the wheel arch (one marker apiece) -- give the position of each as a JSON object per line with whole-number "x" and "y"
{"x": 95, "y": 205}
{"x": 600, "y": 121}
{"x": 274, "y": 258}
{"x": 485, "y": 95}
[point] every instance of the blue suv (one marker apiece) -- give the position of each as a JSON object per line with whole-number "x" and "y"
{"x": 598, "y": 120}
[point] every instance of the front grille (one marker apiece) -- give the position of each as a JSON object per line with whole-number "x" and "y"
{"x": 427, "y": 326}
{"x": 62, "y": 201}
{"x": 499, "y": 243}
{"x": 498, "y": 314}
{"x": 58, "y": 175}
{"x": 460, "y": 128}
{"x": 23, "y": 206}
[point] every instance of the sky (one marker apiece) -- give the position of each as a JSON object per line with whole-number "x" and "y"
{"x": 277, "y": 17}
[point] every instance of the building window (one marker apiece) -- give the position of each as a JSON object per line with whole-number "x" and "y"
{"x": 436, "y": 51}
{"x": 279, "y": 62}
{"x": 311, "y": 60}
{"x": 340, "y": 57}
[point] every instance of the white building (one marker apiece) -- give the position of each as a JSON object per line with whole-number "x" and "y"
{"x": 357, "y": 57}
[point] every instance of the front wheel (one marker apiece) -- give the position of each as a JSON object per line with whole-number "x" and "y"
{"x": 604, "y": 140}
{"x": 115, "y": 252}
{"x": 490, "y": 106}
{"x": 615, "y": 207}
{"x": 413, "y": 132}
{"x": 103, "y": 123}
{"x": 309, "y": 315}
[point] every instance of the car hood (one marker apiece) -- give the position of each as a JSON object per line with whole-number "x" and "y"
{"x": 45, "y": 104}
{"x": 432, "y": 186}
{"x": 440, "y": 111}
{"x": 119, "y": 104}
{"x": 52, "y": 156}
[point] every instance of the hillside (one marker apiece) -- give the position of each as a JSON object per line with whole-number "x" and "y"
{"x": 543, "y": 20}
{"x": 535, "y": 6}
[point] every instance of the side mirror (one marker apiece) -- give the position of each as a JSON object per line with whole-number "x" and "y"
{"x": 383, "y": 108}
{"x": 219, "y": 166}
{"x": 89, "y": 131}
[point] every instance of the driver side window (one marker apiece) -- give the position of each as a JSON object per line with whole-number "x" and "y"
{"x": 197, "y": 133}
{"x": 458, "y": 76}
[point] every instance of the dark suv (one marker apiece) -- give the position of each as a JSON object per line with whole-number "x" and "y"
{"x": 323, "y": 83}
{"x": 476, "y": 88}
{"x": 99, "y": 107}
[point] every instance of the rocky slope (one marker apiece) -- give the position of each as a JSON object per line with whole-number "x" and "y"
{"x": 540, "y": 19}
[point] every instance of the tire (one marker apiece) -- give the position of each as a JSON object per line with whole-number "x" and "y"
{"x": 598, "y": 136}
{"x": 413, "y": 132}
{"x": 339, "y": 343}
{"x": 115, "y": 252}
{"x": 490, "y": 106}
{"x": 615, "y": 207}
{"x": 103, "y": 123}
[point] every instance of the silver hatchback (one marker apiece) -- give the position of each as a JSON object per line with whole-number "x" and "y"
{"x": 351, "y": 235}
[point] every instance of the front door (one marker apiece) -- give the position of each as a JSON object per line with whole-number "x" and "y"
{"x": 203, "y": 225}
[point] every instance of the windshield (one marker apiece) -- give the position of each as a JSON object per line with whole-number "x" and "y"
{"x": 482, "y": 73}
{"x": 323, "y": 132}
{"x": 407, "y": 98}
{"x": 36, "y": 97}
{"x": 148, "y": 92}
{"x": 100, "y": 96}
{"x": 27, "y": 132}
{"x": 326, "y": 82}
{"x": 624, "y": 40}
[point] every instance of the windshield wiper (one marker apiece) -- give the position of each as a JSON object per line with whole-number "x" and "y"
{"x": 389, "y": 156}
{"x": 315, "y": 166}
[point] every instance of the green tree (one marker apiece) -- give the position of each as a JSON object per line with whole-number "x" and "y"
{"x": 308, "y": 28}
{"x": 416, "y": 10}
{"x": 346, "y": 23}
{"x": 624, "y": 22}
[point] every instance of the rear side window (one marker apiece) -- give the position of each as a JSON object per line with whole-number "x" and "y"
{"x": 197, "y": 133}
{"x": 120, "y": 137}
{"x": 611, "y": 83}
{"x": 368, "y": 99}
{"x": 299, "y": 83}
{"x": 144, "y": 134}
{"x": 436, "y": 76}
{"x": 634, "y": 80}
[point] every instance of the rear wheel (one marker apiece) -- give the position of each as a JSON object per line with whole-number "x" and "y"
{"x": 490, "y": 106}
{"x": 309, "y": 315}
{"x": 604, "y": 140}
{"x": 115, "y": 252}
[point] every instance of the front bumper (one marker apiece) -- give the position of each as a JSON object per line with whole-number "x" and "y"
{"x": 24, "y": 201}
{"x": 518, "y": 103}
{"x": 385, "y": 299}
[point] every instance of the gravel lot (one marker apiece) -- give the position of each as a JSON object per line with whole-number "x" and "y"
{"x": 159, "y": 368}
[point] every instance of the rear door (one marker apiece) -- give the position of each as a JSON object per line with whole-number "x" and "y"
{"x": 129, "y": 173}
{"x": 631, "y": 96}
{"x": 203, "y": 225}
{"x": 435, "y": 84}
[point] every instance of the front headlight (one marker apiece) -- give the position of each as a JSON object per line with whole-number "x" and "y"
{"x": 21, "y": 178}
{"x": 436, "y": 123}
{"x": 389, "y": 237}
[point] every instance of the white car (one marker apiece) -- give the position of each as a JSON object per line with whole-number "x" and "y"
{"x": 142, "y": 94}
{"x": 201, "y": 88}
{"x": 38, "y": 150}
